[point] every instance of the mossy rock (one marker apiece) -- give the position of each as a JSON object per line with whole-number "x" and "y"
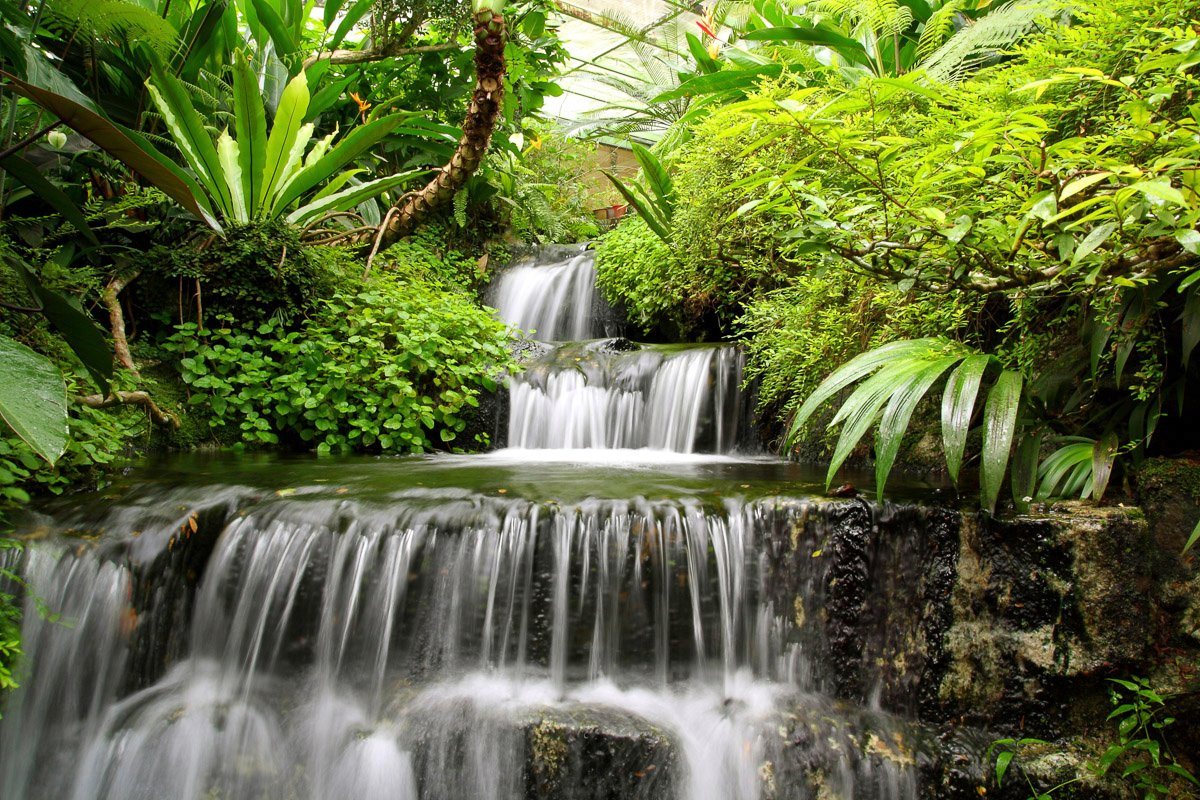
{"x": 1169, "y": 491}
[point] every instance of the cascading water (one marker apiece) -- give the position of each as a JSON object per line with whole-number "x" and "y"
{"x": 494, "y": 627}
{"x": 610, "y": 394}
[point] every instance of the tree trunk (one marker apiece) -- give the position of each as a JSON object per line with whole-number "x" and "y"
{"x": 490, "y": 37}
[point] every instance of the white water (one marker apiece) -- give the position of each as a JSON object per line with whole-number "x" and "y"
{"x": 413, "y": 649}
{"x": 552, "y": 301}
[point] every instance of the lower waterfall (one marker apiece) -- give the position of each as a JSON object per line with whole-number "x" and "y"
{"x": 443, "y": 642}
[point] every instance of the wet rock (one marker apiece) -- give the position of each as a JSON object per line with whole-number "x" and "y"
{"x": 1168, "y": 490}
{"x": 617, "y": 345}
{"x": 595, "y": 754}
{"x": 1045, "y": 608}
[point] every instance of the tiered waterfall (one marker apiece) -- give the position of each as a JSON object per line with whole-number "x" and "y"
{"x": 626, "y": 602}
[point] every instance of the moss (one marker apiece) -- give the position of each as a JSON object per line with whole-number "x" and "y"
{"x": 1169, "y": 490}
{"x": 548, "y": 756}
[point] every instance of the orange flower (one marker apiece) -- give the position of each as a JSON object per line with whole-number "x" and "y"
{"x": 363, "y": 105}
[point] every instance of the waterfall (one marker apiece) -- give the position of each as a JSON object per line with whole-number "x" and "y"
{"x": 554, "y": 301}
{"x": 341, "y": 648}
{"x": 587, "y": 396}
{"x": 668, "y": 622}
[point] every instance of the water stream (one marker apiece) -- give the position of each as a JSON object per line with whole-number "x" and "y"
{"x": 628, "y": 602}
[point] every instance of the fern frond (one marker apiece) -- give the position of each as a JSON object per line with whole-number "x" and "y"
{"x": 981, "y": 41}
{"x": 118, "y": 21}
{"x": 938, "y": 28}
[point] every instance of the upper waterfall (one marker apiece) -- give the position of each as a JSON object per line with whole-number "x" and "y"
{"x": 552, "y": 295}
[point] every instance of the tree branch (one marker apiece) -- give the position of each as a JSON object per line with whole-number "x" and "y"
{"x": 116, "y": 318}
{"x": 371, "y": 54}
{"x": 130, "y": 399}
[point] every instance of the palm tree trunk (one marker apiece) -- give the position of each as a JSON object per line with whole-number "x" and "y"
{"x": 490, "y": 37}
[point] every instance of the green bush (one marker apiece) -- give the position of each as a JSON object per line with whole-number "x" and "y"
{"x": 633, "y": 270}
{"x": 549, "y": 191}
{"x": 795, "y": 336}
{"x": 254, "y": 272}
{"x": 429, "y": 256}
{"x": 395, "y": 367}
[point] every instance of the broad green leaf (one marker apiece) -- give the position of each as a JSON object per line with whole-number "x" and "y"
{"x": 33, "y": 399}
{"x": 348, "y": 198}
{"x": 1161, "y": 190}
{"x": 289, "y": 118}
{"x": 353, "y": 145}
{"x": 352, "y": 18}
{"x": 29, "y": 175}
{"x": 250, "y": 123}
{"x": 849, "y": 49}
{"x": 269, "y": 19}
{"x": 292, "y": 163}
{"x": 337, "y": 182}
{"x": 999, "y": 425}
{"x": 1002, "y": 762}
{"x": 189, "y": 134}
{"x": 896, "y": 417}
{"x": 229, "y": 156}
{"x": 124, "y": 145}
{"x": 1024, "y": 473}
{"x": 864, "y": 405}
{"x": 1096, "y": 237}
{"x": 82, "y": 335}
{"x": 730, "y": 80}
{"x": 640, "y": 205}
{"x": 855, "y": 369}
{"x": 1079, "y": 184}
{"x": 1104, "y": 453}
{"x": 658, "y": 179}
{"x": 958, "y": 407}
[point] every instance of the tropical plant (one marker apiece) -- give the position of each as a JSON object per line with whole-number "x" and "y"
{"x": 261, "y": 175}
{"x": 33, "y": 399}
{"x": 895, "y": 378}
{"x": 656, "y": 206}
{"x": 1140, "y": 751}
{"x": 946, "y": 40}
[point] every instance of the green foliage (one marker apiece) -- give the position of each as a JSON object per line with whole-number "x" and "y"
{"x": 547, "y": 188}
{"x": 656, "y": 206}
{"x": 633, "y": 270}
{"x": 794, "y": 335}
{"x": 112, "y": 20}
{"x": 261, "y": 174}
{"x": 428, "y": 257}
{"x": 33, "y": 399}
{"x": 254, "y": 272}
{"x": 1140, "y": 753}
{"x": 394, "y": 367}
{"x": 894, "y": 379}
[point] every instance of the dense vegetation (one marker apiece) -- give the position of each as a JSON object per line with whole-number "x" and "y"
{"x": 882, "y": 201}
{"x": 1036, "y": 203}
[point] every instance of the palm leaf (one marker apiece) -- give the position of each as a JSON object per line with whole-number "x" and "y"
{"x": 999, "y": 425}
{"x": 958, "y": 407}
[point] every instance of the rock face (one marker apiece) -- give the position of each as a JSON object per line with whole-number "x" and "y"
{"x": 567, "y": 752}
{"x": 1043, "y": 609}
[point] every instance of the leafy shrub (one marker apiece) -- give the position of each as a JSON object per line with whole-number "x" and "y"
{"x": 393, "y": 367}
{"x": 548, "y": 190}
{"x": 429, "y": 256}
{"x": 254, "y": 272}
{"x": 797, "y": 335}
{"x": 633, "y": 270}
